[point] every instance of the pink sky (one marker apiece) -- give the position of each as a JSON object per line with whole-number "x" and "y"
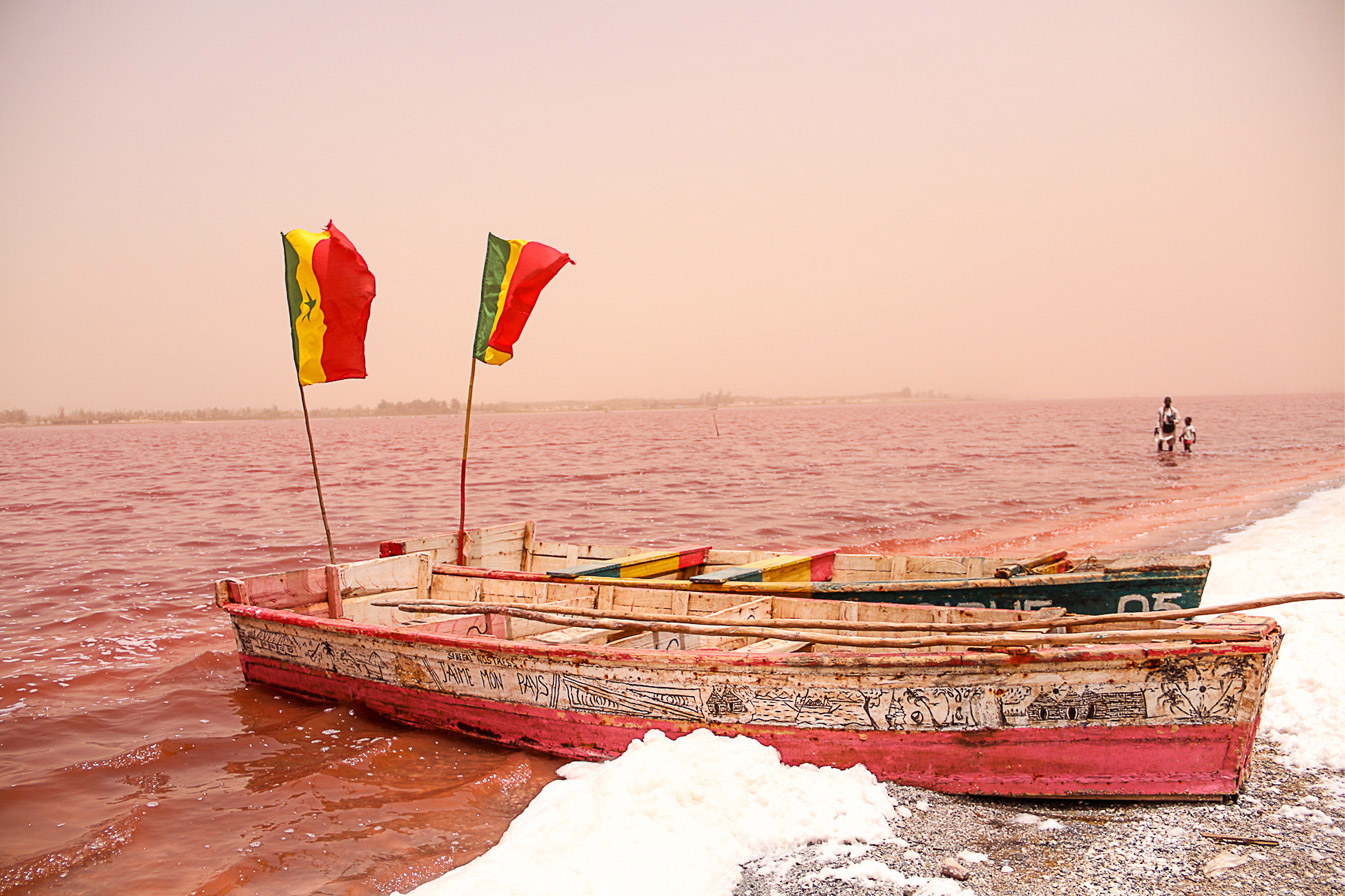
{"x": 1033, "y": 199}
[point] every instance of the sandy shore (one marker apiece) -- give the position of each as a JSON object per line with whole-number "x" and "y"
{"x": 1285, "y": 834}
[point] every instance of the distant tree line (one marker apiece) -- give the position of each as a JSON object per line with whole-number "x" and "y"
{"x": 419, "y": 407}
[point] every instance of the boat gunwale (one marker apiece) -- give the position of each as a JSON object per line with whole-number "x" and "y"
{"x": 953, "y": 583}
{"x": 845, "y": 661}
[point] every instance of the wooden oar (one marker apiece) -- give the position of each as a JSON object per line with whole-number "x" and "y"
{"x": 988, "y": 641}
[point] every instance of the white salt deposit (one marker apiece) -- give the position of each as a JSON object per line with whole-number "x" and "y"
{"x": 680, "y": 816}
{"x": 1302, "y": 551}
{"x": 670, "y": 817}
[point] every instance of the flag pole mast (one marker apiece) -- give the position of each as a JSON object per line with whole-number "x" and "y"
{"x": 462, "y": 482}
{"x": 322, "y": 505}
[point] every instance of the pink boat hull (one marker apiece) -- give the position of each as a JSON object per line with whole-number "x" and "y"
{"x": 1137, "y": 762}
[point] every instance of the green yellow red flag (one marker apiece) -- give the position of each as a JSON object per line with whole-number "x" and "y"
{"x": 515, "y": 273}
{"x": 330, "y": 289}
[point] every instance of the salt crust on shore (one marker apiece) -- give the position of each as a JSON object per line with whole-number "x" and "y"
{"x": 1044, "y": 848}
{"x": 714, "y": 815}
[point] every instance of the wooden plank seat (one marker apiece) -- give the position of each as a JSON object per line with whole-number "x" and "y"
{"x": 638, "y": 566}
{"x": 574, "y": 634}
{"x": 789, "y": 568}
{"x": 772, "y": 645}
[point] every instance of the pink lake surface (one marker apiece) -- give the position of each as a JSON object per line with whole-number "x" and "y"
{"x": 134, "y": 759}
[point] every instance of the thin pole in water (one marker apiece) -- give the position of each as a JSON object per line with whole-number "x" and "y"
{"x": 322, "y": 505}
{"x": 462, "y": 482}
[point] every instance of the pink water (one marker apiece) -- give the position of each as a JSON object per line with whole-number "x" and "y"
{"x": 134, "y": 759}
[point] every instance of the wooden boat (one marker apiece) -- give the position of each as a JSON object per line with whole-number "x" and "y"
{"x": 952, "y": 699}
{"x": 1128, "y": 583}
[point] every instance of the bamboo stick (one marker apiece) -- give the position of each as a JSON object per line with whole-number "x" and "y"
{"x": 1237, "y": 607}
{"x": 999, "y": 639}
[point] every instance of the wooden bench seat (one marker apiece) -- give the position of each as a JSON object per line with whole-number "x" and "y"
{"x": 574, "y": 634}
{"x": 790, "y": 568}
{"x": 772, "y": 645}
{"x": 638, "y": 566}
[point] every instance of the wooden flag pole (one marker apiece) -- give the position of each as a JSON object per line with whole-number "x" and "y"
{"x": 322, "y": 505}
{"x": 462, "y": 482}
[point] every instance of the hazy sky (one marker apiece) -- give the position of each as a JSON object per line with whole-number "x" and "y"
{"x": 1024, "y": 199}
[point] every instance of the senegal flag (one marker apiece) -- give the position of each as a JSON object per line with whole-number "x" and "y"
{"x": 330, "y": 290}
{"x": 516, "y": 271}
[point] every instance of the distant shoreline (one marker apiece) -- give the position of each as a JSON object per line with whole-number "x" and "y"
{"x": 436, "y": 407}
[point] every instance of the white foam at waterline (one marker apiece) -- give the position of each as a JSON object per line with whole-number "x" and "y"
{"x": 1301, "y": 551}
{"x": 670, "y": 817}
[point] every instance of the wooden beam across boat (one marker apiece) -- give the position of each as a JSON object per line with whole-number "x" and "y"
{"x": 815, "y": 567}
{"x": 638, "y": 566}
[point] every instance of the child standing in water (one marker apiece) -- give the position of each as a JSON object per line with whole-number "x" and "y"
{"x": 1188, "y": 436}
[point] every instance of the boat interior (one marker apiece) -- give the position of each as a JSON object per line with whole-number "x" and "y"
{"x": 658, "y": 611}
{"x": 514, "y": 547}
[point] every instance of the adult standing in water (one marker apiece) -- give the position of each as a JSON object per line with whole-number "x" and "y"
{"x": 1165, "y": 433}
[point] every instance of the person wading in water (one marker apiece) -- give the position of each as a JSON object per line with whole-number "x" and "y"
{"x": 1165, "y": 433}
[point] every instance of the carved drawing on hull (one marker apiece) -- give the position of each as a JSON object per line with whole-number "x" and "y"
{"x": 726, "y": 701}
{"x": 1199, "y": 696}
{"x": 837, "y": 708}
{"x": 265, "y": 642}
{"x": 1064, "y": 704}
{"x": 817, "y": 708}
{"x": 770, "y": 706}
{"x": 937, "y": 708}
{"x": 357, "y": 663}
{"x": 808, "y": 708}
{"x": 632, "y": 699}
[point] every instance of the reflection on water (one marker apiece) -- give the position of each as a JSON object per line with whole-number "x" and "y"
{"x": 135, "y": 760}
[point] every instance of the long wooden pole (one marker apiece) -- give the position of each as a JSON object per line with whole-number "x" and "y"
{"x": 317, "y": 480}
{"x": 746, "y": 628}
{"x": 462, "y": 482}
{"x": 1048, "y": 618}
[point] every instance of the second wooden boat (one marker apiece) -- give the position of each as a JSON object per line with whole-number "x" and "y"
{"x": 1130, "y": 583}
